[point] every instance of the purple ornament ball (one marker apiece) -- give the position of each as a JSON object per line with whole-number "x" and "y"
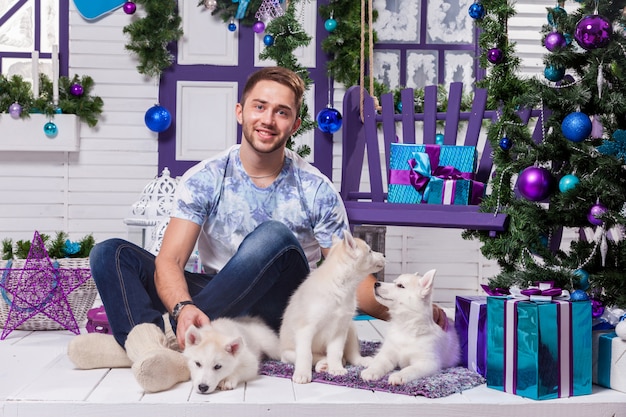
{"x": 495, "y": 55}
{"x": 129, "y": 7}
{"x": 596, "y": 211}
{"x": 555, "y": 41}
{"x": 15, "y": 110}
{"x": 593, "y": 31}
{"x": 77, "y": 90}
{"x": 535, "y": 183}
{"x": 258, "y": 27}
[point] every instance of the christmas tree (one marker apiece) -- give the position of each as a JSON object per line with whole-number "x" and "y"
{"x": 574, "y": 176}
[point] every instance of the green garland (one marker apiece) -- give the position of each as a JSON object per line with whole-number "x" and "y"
{"x": 150, "y": 36}
{"x": 15, "y": 90}
{"x": 59, "y": 247}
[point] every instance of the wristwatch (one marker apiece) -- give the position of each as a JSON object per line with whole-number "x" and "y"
{"x": 179, "y": 307}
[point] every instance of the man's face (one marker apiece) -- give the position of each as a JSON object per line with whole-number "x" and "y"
{"x": 268, "y": 117}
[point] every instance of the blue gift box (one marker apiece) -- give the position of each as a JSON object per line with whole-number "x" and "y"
{"x": 433, "y": 174}
{"x": 609, "y": 360}
{"x": 470, "y": 322}
{"x": 539, "y": 350}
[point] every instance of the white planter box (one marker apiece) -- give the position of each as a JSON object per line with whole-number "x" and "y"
{"x": 28, "y": 134}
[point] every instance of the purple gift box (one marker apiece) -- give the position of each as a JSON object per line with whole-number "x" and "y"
{"x": 470, "y": 322}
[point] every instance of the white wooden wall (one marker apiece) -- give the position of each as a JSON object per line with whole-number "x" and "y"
{"x": 91, "y": 191}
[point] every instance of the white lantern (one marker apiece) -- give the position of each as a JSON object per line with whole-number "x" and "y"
{"x": 152, "y": 211}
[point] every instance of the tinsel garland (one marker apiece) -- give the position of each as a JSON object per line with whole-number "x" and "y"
{"x": 150, "y": 35}
{"x": 87, "y": 107}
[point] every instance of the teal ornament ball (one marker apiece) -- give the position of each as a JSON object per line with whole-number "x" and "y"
{"x": 329, "y": 120}
{"x": 439, "y": 138}
{"x": 330, "y": 25}
{"x": 579, "y": 295}
{"x": 158, "y": 118}
{"x": 576, "y": 126}
{"x": 553, "y": 73}
{"x": 568, "y": 182}
{"x": 51, "y": 130}
{"x": 583, "y": 279}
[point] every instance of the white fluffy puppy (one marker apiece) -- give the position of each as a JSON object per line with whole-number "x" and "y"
{"x": 414, "y": 342}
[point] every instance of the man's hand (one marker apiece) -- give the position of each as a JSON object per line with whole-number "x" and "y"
{"x": 190, "y": 314}
{"x": 439, "y": 316}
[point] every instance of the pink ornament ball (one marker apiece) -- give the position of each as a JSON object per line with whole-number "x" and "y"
{"x": 555, "y": 41}
{"x": 258, "y": 27}
{"x": 535, "y": 183}
{"x": 129, "y": 7}
{"x": 596, "y": 211}
{"x": 77, "y": 90}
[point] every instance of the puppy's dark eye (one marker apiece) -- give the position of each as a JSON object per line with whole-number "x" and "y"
{"x": 217, "y": 367}
{"x": 198, "y": 364}
{"x": 399, "y": 285}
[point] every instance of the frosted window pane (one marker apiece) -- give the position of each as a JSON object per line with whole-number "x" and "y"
{"x": 387, "y": 68}
{"x": 397, "y": 20}
{"x": 459, "y": 67}
{"x": 16, "y": 34}
{"x": 449, "y": 22}
{"x": 421, "y": 69}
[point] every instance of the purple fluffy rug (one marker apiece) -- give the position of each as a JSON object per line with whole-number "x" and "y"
{"x": 447, "y": 382}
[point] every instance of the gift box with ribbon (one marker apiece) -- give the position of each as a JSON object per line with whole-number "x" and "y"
{"x": 609, "y": 360}
{"x": 433, "y": 174}
{"x": 539, "y": 349}
{"x": 470, "y": 322}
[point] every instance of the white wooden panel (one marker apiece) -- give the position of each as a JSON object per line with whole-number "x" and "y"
{"x": 206, "y": 118}
{"x": 307, "y": 17}
{"x": 206, "y": 39}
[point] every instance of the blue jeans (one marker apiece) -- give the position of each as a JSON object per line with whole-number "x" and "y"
{"x": 258, "y": 280}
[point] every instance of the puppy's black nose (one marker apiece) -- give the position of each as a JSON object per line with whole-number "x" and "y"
{"x": 376, "y": 284}
{"x": 203, "y": 388}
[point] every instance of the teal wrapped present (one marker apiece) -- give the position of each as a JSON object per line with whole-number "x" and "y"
{"x": 539, "y": 350}
{"x": 609, "y": 360}
{"x": 433, "y": 174}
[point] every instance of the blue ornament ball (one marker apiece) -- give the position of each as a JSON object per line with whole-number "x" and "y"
{"x": 553, "y": 73}
{"x": 330, "y": 25}
{"x": 439, "y": 138}
{"x": 579, "y": 295}
{"x": 158, "y": 118}
{"x": 476, "y": 11}
{"x": 268, "y": 40}
{"x": 232, "y": 27}
{"x": 505, "y": 144}
{"x": 568, "y": 182}
{"x": 51, "y": 130}
{"x": 329, "y": 120}
{"x": 583, "y": 279}
{"x": 576, "y": 126}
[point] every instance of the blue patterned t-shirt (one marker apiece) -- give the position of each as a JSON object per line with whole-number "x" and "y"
{"x": 218, "y": 195}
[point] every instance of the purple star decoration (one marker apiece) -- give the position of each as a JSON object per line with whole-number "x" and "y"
{"x": 615, "y": 147}
{"x": 40, "y": 287}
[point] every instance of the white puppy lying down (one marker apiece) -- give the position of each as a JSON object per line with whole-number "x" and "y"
{"x": 414, "y": 342}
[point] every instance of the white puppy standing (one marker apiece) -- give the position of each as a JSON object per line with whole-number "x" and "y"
{"x": 414, "y": 342}
{"x": 228, "y": 351}
{"x": 317, "y": 326}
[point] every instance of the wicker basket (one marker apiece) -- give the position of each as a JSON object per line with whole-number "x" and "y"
{"x": 80, "y": 300}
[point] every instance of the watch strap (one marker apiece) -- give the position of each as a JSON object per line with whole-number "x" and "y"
{"x": 178, "y": 308}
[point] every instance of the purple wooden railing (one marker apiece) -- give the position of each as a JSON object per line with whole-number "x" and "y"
{"x": 361, "y": 138}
